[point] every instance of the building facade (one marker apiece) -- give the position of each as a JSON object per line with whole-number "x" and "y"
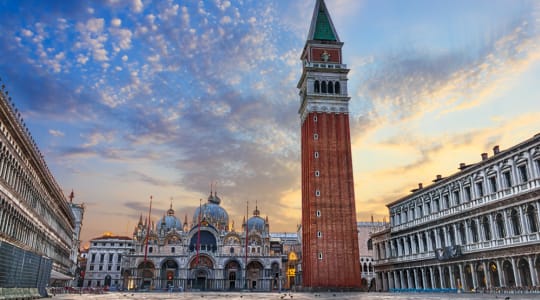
{"x": 36, "y": 221}
{"x": 475, "y": 230}
{"x": 206, "y": 254}
{"x": 78, "y": 214}
{"x": 104, "y": 261}
{"x": 329, "y": 237}
{"x": 365, "y": 246}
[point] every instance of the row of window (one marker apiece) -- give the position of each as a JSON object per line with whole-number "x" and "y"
{"x": 327, "y": 87}
{"x": 100, "y": 268}
{"x": 502, "y": 224}
{"x": 466, "y": 194}
{"x": 102, "y": 257}
{"x": 111, "y": 244}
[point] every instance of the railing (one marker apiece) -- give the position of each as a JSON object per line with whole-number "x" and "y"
{"x": 325, "y": 65}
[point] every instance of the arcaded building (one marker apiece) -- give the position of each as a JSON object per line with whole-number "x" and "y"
{"x": 477, "y": 229}
{"x": 329, "y": 237}
{"x": 37, "y": 226}
{"x": 207, "y": 252}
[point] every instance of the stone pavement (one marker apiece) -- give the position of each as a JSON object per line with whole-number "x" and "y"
{"x": 292, "y": 296}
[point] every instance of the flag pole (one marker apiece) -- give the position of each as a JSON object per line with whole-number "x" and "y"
{"x": 147, "y": 231}
{"x": 246, "y": 250}
{"x": 199, "y": 233}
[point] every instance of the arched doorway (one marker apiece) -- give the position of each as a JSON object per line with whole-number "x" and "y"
{"x": 524, "y": 273}
{"x": 457, "y": 277}
{"x": 420, "y": 281}
{"x": 494, "y": 275}
{"x": 481, "y": 275}
{"x": 437, "y": 278}
{"x": 201, "y": 267}
{"x": 146, "y": 274}
{"x": 469, "y": 285}
{"x": 509, "y": 274}
{"x": 232, "y": 274}
{"x": 275, "y": 270}
{"x": 446, "y": 275}
{"x": 107, "y": 282}
{"x": 169, "y": 272}
{"x": 254, "y": 275}
{"x": 429, "y": 284}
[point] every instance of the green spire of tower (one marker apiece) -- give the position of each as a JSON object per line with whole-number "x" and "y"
{"x": 323, "y": 28}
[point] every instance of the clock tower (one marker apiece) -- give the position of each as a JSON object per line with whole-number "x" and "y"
{"x": 330, "y": 256}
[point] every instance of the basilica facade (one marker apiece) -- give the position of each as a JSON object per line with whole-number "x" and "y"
{"x": 207, "y": 253}
{"x": 475, "y": 230}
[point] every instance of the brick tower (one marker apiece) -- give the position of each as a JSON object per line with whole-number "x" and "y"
{"x": 330, "y": 257}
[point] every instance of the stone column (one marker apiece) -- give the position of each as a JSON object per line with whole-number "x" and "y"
{"x": 487, "y": 273}
{"x": 500, "y": 272}
{"x": 534, "y": 275}
{"x": 432, "y": 275}
{"x": 424, "y": 279}
{"x": 524, "y": 227}
{"x": 507, "y": 226}
{"x": 441, "y": 276}
{"x": 461, "y": 284}
{"x": 516, "y": 273}
{"x": 452, "y": 279}
{"x": 415, "y": 271}
{"x": 401, "y": 280}
{"x": 474, "y": 277}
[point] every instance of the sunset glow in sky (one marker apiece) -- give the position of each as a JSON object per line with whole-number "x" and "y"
{"x": 128, "y": 99}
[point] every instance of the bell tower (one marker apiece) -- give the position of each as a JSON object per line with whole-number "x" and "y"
{"x": 330, "y": 256}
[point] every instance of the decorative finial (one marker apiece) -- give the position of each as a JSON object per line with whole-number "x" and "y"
{"x": 71, "y": 196}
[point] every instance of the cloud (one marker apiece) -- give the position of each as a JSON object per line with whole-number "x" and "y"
{"x": 56, "y": 133}
{"x": 399, "y": 84}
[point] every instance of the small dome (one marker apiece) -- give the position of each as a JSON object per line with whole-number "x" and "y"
{"x": 169, "y": 221}
{"x": 256, "y": 222}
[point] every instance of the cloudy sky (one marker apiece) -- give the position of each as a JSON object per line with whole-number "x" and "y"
{"x": 128, "y": 99}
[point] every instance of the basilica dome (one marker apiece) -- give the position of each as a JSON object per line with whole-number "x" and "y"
{"x": 169, "y": 221}
{"x": 212, "y": 213}
{"x": 256, "y": 222}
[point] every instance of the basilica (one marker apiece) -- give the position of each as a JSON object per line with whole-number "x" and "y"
{"x": 206, "y": 254}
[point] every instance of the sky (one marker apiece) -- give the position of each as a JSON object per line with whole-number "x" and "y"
{"x": 129, "y": 100}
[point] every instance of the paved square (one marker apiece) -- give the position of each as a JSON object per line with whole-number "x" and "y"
{"x": 292, "y": 296}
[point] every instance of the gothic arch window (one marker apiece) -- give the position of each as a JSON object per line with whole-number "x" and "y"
{"x": 487, "y": 229}
{"x": 474, "y": 231}
{"x": 442, "y": 237}
{"x": 330, "y": 87}
{"x": 433, "y": 241}
{"x": 532, "y": 218}
{"x": 514, "y": 217}
{"x": 323, "y": 87}
{"x": 317, "y": 87}
{"x": 337, "y": 88}
{"x": 462, "y": 234}
{"x": 499, "y": 221}
{"x": 452, "y": 237}
{"x": 370, "y": 244}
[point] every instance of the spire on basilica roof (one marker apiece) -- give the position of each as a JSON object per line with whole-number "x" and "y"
{"x": 322, "y": 28}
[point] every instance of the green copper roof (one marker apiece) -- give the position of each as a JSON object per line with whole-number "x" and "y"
{"x": 323, "y": 29}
